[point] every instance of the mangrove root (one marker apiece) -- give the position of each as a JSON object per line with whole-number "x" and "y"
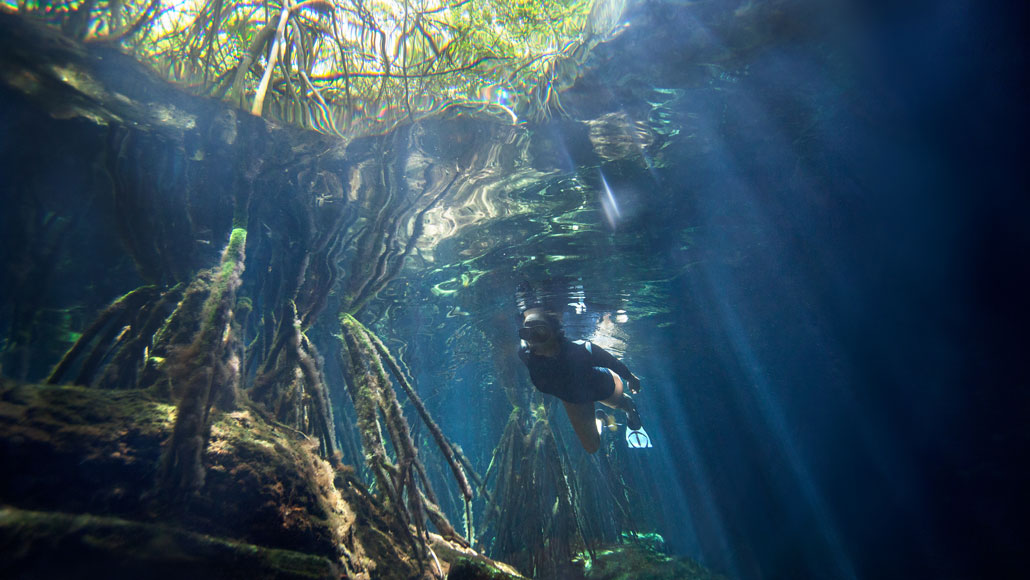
{"x": 202, "y": 373}
{"x": 371, "y": 392}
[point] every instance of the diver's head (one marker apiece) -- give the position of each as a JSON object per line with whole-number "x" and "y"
{"x": 540, "y": 327}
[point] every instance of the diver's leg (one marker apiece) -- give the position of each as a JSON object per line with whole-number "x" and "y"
{"x": 581, "y": 415}
{"x": 619, "y": 388}
{"x": 620, "y": 400}
{"x": 615, "y": 401}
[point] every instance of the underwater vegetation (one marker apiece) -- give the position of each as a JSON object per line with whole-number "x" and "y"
{"x": 200, "y": 334}
{"x": 183, "y": 416}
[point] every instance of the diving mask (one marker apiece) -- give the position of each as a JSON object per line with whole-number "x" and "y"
{"x": 536, "y": 332}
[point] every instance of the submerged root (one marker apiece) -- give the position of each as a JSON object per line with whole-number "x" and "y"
{"x": 362, "y": 358}
{"x": 102, "y": 337}
{"x": 200, "y": 372}
{"x": 533, "y": 503}
{"x": 292, "y": 386}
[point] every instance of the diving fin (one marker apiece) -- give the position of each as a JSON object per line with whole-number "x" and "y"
{"x": 637, "y": 438}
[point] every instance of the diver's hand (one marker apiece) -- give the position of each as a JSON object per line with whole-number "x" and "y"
{"x": 634, "y": 384}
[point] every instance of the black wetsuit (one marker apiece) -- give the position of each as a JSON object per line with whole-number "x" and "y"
{"x": 577, "y": 374}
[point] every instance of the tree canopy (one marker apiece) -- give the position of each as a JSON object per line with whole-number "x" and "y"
{"x": 353, "y": 67}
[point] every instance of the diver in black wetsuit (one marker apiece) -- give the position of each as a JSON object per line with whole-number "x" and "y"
{"x": 578, "y": 373}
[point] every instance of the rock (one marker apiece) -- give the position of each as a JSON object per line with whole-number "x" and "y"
{"x": 55, "y": 545}
{"x": 78, "y": 495}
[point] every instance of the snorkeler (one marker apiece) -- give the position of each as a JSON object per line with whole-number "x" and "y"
{"x": 579, "y": 373}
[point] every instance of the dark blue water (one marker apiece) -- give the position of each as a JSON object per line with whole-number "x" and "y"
{"x": 824, "y": 290}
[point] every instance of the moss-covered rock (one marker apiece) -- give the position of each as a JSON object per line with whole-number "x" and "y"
{"x": 59, "y": 545}
{"x": 78, "y": 492}
{"x": 472, "y": 569}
